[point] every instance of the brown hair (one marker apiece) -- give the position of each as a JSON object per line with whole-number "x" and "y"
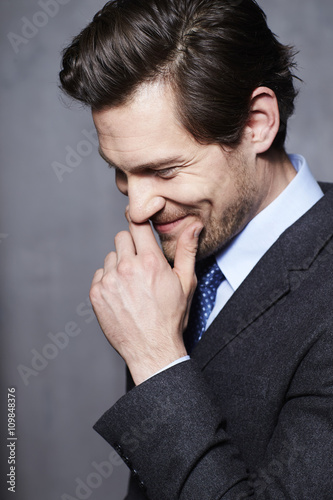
{"x": 214, "y": 53}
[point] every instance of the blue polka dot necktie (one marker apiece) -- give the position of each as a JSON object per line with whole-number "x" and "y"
{"x": 209, "y": 278}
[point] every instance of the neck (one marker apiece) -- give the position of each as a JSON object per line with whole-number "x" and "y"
{"x": 277, "y": 172}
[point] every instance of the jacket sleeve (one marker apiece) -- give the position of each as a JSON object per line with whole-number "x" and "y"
{"x": 171, "y": 432}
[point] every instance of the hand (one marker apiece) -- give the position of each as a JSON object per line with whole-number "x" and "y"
{"x": 141, "y": 303}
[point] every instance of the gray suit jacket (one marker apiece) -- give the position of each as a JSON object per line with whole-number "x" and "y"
{"x": 251, "y": 414}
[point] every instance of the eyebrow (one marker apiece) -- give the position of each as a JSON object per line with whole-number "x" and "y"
{"x": 152, "y": 165}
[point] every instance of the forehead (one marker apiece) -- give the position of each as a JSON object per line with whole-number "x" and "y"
{"x": 146, "y": 125}
{"x": 150, "y": 108}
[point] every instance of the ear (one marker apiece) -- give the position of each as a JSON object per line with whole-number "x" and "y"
{"x": 264, "y": 121}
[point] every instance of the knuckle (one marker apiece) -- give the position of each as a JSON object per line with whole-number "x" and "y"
{"x": 150, "y": 261}
{"x": 94, "y": 293}
{"x": 110, "y": 257}
{"x": 97, "y": 274}
{"x": 125, "y": 268}
{"x": 108, "y": 281}
{"x": 120, "y": 236}
{"x": 190, "y": 251}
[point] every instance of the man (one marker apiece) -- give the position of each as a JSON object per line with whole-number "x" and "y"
{"x": 191, "y": 99}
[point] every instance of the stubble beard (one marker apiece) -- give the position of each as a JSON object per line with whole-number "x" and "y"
{"x": 217, "y": 233}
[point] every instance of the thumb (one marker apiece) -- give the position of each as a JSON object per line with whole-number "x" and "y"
{"x": 186, "y": 251}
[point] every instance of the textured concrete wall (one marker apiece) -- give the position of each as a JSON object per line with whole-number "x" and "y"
{"x": 56, "y": 230}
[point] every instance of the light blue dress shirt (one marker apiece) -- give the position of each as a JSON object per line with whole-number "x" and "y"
{"x": 238, "y": 259}
{"x": 247, "y": 248}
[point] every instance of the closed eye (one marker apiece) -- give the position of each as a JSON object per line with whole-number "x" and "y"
{"x": 166, "y": 173}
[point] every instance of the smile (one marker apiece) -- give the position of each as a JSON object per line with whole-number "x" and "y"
{"x": 167, "y": 227}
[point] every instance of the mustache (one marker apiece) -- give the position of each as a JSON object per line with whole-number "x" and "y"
{"x": 166, "y": 217}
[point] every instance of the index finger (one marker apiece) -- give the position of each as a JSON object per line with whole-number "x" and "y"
{"x": 143, "y": 237}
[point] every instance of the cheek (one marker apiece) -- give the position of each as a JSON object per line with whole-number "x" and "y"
{"x": 191, "y": 192}
{"x": 209, "y": 191}
{"x": 218, "y": 186}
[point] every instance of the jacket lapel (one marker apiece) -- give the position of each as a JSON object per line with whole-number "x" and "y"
{"x": 264, "y": 286}
{"x": 269, "y": 281}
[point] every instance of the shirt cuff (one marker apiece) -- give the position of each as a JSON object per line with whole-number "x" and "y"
{"x": 179, "y": 360}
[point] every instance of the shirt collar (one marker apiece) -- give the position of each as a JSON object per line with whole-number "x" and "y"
{"x": 238, "y": 259}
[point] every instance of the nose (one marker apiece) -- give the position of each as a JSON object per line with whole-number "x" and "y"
{"x": 144, "y": 197}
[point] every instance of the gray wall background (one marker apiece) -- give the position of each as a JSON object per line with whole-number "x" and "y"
{"x": 53, "y": 235}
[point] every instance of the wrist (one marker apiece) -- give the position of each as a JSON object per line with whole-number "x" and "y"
{"x": 144, "y": 368}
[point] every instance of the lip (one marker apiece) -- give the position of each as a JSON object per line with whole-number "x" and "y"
{"x": 167, "y": 227}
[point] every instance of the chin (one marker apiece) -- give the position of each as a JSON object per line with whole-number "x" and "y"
{"x": 169, "y": 250}
{"x": 207, "y": 246}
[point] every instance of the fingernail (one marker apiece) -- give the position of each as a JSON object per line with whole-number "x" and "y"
{"x": 197, "y": 231}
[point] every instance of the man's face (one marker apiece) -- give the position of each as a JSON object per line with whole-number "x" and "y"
{"x": 171, "y": 179}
